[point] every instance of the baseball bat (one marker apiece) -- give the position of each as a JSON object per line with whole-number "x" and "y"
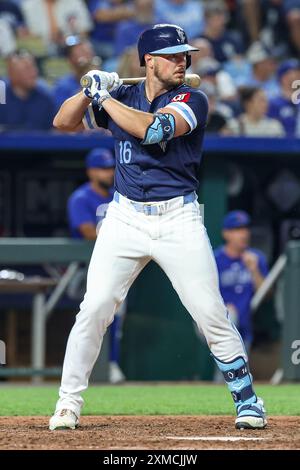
{"x": 191, "y": 79}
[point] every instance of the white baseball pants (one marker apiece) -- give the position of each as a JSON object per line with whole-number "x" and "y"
{"x": 177, "y": 241}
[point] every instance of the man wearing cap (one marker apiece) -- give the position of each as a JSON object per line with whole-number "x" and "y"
{"x": 263, "y": 70}
{"x": 283, "y": 107}
{"x": 86, "y": 206}
{"x": 225, "y": 45}
{"x": 241, "y": 270}
{"x": 81, "y": 57}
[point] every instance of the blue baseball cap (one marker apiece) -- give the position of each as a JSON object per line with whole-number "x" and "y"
{"x": 236, "y": 219}
{"x": 100, "y": 158}
{"x": 286, "y": 66}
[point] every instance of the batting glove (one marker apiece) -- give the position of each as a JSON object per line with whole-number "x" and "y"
{"x": 102, "y": 84}
{"x": 114, "y": 81}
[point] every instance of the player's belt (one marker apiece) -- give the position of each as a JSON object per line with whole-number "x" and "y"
{"x": 156, "y": 208}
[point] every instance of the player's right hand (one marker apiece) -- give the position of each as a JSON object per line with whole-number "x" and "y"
{"x": 114, "y": 81}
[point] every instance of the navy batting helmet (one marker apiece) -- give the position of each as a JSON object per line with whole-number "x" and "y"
{"x": 164, "y": 39}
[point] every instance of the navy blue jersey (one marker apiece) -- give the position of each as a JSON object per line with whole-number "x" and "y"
{"x": 160, "y": 171}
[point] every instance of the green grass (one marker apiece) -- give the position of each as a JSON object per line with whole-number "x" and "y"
{"x": 148, "y": 399}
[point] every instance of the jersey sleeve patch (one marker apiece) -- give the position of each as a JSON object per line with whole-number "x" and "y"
{"x": 181, "y": 97}
{"x": 185, "y": 111}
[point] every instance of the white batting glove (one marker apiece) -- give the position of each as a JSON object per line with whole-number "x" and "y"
{"x": 114, "y": 81}
{"x": 102, "y": 83}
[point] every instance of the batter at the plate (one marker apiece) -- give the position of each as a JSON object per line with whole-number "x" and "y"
{"x": 158, "y": 126}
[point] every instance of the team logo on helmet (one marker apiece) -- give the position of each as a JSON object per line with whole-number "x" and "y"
{"x": 181, "y": 35}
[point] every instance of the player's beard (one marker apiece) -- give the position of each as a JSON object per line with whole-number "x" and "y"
{"x": 168, "y": 82}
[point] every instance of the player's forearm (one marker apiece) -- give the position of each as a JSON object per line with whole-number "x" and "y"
{"x": 130, "y": 120}
{"x": 71, "y": 112}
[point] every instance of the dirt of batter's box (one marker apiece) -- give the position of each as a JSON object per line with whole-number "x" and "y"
{"x": 149, "y": 432}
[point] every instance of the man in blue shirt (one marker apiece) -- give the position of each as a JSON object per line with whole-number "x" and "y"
{"x": 241, "y": 271}
{"x": 87, "y": 205}
{"x": 81, "y": 57}
{"x": 29, "y": 104}
{"x": 128, "y": 31}
{"x": 225, "y": 45}
{"x": 106, "y": 15}
{"x": 158, "y": 126}
{"x": 283, "y": 107}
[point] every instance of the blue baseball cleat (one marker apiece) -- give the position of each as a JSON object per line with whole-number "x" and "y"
{"x": 251, "y": 416}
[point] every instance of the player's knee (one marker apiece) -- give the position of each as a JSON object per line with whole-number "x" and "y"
{"x": 209, "y": 313}
{"x": 99, "y": 308}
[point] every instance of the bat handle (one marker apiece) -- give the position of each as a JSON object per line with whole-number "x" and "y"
{"x": 86, "y": 81}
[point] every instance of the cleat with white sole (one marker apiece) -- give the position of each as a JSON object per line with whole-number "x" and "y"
{"x": 251, "y": 416}
{"x": 63, "y": 419}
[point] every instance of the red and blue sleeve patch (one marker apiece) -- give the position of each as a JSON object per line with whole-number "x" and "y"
{"x": 181, "y": 97}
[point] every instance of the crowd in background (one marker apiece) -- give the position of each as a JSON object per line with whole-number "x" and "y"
{"x": 248, "y": 57}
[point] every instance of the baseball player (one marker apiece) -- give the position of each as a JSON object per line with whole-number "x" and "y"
{"x": 242, "y": 271}
{"x": 87, "y": 204}
{"x": 158, "y": 127}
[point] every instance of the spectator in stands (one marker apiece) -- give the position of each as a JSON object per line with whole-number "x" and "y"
{"x": 106, "y": 15}
{"x": 263, "y": 69}
{"x": 81, "y": 57}
{"x": 29, "y": 104}
{"x": 292, "y": 12}
{"x": 204, "y": 50}
{"x": 53, "y": 20}
{"x": 241, "y": 271}
{"x": 224, "y": 43}
{"x": 283, "y": 107}
{"x": 128, "y": 31}
{"x": 210, "y": 70}
{"x": 129, "y": 64}
{"x": 217, "y": 118}
{"x": 254, "y": 121}
{"x": 186, "y": 13}
{"x": 12, "y": 26}
{"x": 255, "y": 69}
{"x": 270, "y": 20}
{"x": 87, "y": 207}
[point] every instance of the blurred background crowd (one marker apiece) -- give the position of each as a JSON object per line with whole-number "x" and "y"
{"x": 248, "y": 57}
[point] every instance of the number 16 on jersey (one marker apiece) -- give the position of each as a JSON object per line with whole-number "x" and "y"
{"x": 125, "y": 151}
